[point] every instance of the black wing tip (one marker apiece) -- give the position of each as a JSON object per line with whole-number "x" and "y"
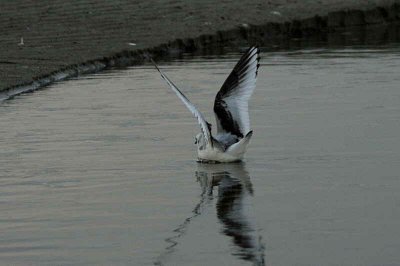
{"x": 248, "y": 58}
{"x": 254, "y": 47}
{"x": 258, "y": 58}
{"x": 155, "y": 65}
{"x": 159, "y": 70}
{"x": 251, "y": 49}
{"x": 258, "y": 53}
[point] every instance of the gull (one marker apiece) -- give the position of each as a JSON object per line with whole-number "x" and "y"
{"x": 231, "y": 113}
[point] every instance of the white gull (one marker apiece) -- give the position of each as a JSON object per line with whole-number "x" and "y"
{"x": 231, "y": 113}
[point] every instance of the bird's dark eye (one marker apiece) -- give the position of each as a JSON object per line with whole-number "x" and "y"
{"x": 195, "y": 141}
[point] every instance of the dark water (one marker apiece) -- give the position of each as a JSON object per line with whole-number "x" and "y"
{"x": 101, "y": 170}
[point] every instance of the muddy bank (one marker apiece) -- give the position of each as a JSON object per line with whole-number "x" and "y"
{"x": 53, "y": 40}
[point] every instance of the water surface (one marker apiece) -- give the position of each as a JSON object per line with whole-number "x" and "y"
{"x": 101, "y": 170}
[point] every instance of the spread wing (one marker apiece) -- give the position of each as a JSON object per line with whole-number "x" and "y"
{"x": 231, "y": 103}
{"x": 204, "y": 125}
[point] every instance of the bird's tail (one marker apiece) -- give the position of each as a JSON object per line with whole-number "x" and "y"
{"x": 240, "y": 147}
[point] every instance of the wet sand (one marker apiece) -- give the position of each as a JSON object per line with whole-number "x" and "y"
{"x": 60, "y": 36}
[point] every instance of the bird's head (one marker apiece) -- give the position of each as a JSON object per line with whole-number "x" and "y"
{"x": 200, "y": 141}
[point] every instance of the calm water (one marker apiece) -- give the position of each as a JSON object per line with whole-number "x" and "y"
{"x": 101, "y": 170}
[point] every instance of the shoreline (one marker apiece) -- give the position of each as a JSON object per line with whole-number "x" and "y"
{"x": 376, "y": 25}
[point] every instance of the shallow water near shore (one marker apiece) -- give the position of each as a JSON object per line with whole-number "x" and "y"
{"x": 101, "y": 170}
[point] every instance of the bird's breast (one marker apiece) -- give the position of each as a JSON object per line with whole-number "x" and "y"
{"x": 215, "y": 154}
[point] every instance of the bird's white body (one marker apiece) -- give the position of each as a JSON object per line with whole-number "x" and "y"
{"x": 212, "y": 155}
{"x": 231, "y": 112}
{"x": 219, "y": 153}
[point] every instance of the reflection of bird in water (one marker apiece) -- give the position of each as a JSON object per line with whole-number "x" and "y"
{"x": 234, "y": 207}
{"x": 233, "y": 210}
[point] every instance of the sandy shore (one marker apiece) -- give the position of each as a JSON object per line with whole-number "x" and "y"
{"x": 40, "y": 38}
